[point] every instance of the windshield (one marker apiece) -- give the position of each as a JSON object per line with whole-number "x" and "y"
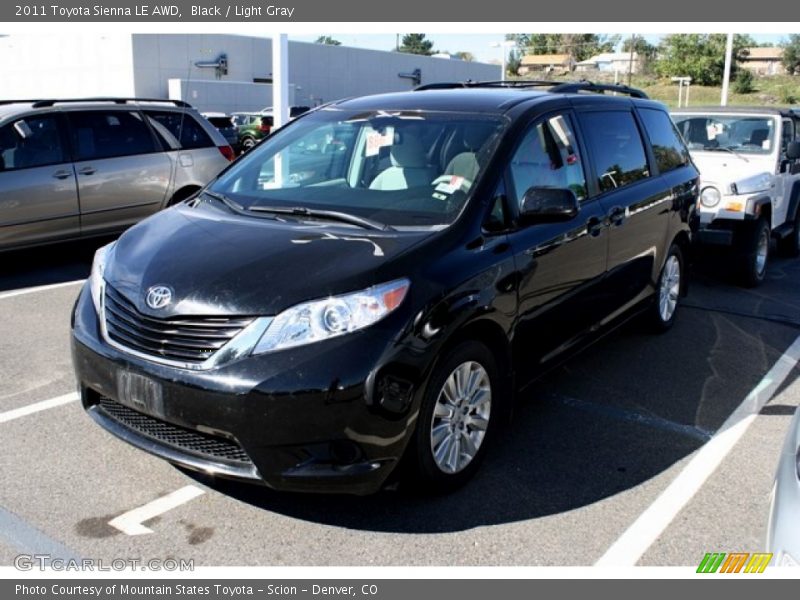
{"x": 740, "y": 133}
{"x": 403, "y": 169}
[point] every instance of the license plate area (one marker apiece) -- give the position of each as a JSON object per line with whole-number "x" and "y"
{"x": 140, "y": 393}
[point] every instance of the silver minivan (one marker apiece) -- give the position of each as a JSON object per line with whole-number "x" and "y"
{"x": 81, "y": 168}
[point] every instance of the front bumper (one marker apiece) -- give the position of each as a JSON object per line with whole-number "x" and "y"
{"x": 334, "y": 416}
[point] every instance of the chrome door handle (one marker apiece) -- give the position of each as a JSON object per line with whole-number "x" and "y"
{"x": 62, "y": 174}
{"x": 88, "y": 171}
{"x": 617, "y": 215}
{"x": 594, "y": 226}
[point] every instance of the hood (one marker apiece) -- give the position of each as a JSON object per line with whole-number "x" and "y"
{"x": 219, "y": 263}
{"x": 722, "y": 168}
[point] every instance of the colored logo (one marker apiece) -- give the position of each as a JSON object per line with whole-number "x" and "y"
{"x": 734, "y": 562}
{"x": 158, "y": 296}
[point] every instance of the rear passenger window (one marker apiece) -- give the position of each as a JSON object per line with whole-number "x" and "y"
{"x": 548, "y": 157}
{"x": 107, "y": 134}
{"x": 669, "y": 149}
{"x": 616, "y": 147}
{"x": 179, "y": 130}
{"x": 30, "y": 142}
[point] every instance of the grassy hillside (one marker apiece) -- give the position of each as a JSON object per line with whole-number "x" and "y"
{"x": 778, "y": 90}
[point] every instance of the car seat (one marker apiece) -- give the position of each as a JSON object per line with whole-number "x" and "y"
{"x": 408, "y": 168}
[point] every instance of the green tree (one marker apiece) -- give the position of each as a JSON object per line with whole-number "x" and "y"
{"x": 327, "y": 40}
{"x": 415, "y": 43}
{"x": 699, "y": 56}
{"x": 579, "y": 46}
{"x": 744, "y": 82}
{"x": 513, "y": 63}
{"x": 791, "y": 54}
{"x": 465, "y": 56}
{"x": 645, "y": 50}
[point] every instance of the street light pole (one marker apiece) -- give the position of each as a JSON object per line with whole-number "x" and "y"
{"x": 504, "y": 47}
{"x": 727, "y": 76}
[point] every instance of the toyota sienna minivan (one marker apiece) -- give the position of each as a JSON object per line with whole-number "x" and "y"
{"x": 373, "y": 282}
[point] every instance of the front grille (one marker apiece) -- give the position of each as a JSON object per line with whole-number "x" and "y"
{"x": 184, "y": 339}
{"x": 194, "y": 442}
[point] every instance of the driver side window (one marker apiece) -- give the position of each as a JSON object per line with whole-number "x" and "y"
{"x": 548, "y": 157}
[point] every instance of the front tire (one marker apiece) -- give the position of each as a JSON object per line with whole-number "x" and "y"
{"x": 458, "y": 417}
{"x": 755, "y": 254}
{"x": 668, "y": 291}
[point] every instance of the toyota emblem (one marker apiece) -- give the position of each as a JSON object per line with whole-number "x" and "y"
{"x": 158, "y": 296}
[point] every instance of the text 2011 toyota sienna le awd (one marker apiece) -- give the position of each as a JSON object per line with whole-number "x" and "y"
{"x": 374, "y": 281}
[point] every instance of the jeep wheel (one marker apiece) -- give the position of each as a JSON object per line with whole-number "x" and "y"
{"x": 790, "y": 245}
{"x": 457, "y": 418}
{"x": 247, "y": 144}
{"x": 755, "y": 254}
{"x": 668, "y": 292}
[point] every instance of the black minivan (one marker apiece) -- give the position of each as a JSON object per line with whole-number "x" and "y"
{"x": 375, "y": 280}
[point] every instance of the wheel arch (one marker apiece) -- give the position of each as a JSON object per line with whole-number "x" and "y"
{"x": 492, "y": 335}
{"x": 183, "y": 193}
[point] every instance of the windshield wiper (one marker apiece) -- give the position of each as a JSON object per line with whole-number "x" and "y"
{"x": 329, "y": 215}
{"x": 225, "y": 200}
{"x": 726, "y": 149}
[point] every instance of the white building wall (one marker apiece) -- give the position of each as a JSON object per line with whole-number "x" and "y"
{"x": 224, "y": 96}
{"x": 319, "y": 73}
{"x": 66, "y": 66}
{"x": 86, "y": 64}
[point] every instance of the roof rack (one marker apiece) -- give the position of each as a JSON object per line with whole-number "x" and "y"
{"x": 508, "y": 83}
{"x": 568, "y": 87}
{"x": 43, "y": 103}
{"x": 573, "y": 87}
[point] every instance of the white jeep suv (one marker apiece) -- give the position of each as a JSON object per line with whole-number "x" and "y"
{"x": 749, "y": 162}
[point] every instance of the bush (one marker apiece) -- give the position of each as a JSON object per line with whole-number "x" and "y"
{"x": 744, "y": 82}
{"x": 787, "y": 97}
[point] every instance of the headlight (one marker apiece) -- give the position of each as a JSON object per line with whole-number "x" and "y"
{"x": 751, "y": 185}
{"x": 710, "y": 197}
{"x": 322, "y": 319}
{"x": 98, "y": 269}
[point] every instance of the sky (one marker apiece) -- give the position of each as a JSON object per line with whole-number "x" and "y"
{"x": 478, "y": 44}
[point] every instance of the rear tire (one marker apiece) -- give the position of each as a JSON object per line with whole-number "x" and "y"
{"x": 790, "y": 245}
{"x": 668, "y": 291}
{"x": 755, "y": 254}
{"x": 459, "y": 415}
{"x": 247, "y": 144}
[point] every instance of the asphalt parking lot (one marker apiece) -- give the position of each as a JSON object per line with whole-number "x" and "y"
{"x": 593, "y": 446}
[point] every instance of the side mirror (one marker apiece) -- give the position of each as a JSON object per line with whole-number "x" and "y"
{"x": 793, "y": 150}
{"x": 548, "y": 205}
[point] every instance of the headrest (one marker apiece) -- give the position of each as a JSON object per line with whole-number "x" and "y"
{"x": 408, "y": 154}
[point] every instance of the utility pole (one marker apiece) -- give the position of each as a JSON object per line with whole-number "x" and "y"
{"x": 630, "y": 61}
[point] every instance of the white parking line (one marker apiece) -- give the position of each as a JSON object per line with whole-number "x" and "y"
{"x": 16, "y": 413}
{"x": 39, "y": 288}
{"x": 635, "y": 541}
{"x": 131, "y": 521}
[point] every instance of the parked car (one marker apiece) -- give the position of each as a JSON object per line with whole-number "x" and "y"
{"x": 81, "y": 168}
{"x": 251, "y": 128}
{"x": 375, "y": 280}
{"x": 783, "y": 531}
{"x": 749, "y": 160}
{"x": 225, "y": 125}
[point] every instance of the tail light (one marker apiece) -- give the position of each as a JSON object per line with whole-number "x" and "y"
{"x": 264, "y": 128}
{"x": 227, "y": 152}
